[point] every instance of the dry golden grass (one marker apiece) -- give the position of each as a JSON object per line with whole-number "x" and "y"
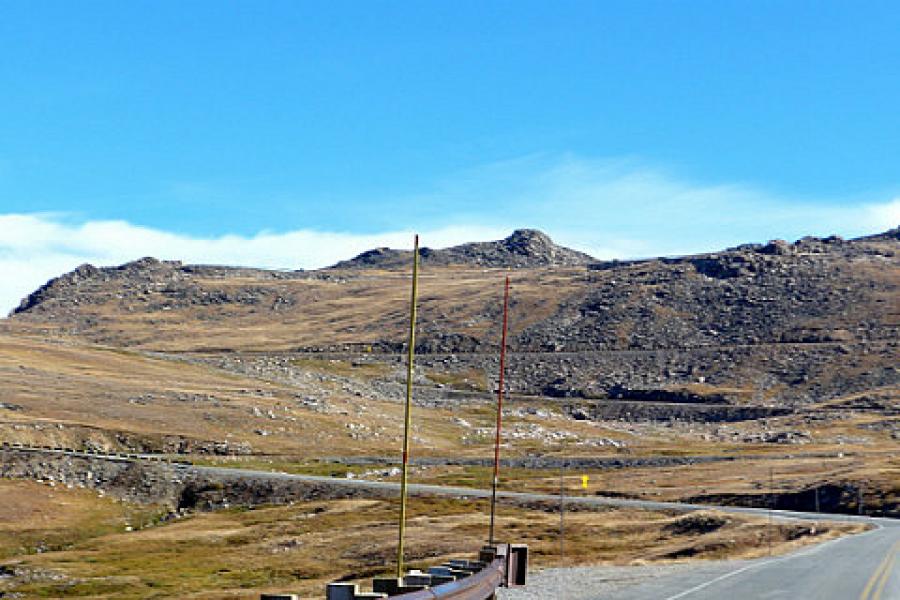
{"x": 70, "y": 393}
{"x": 321, "y": 312}
{"x": 38, "y": 518}
{"x": 880, "y": 472}
{"x": 238, "y": 554}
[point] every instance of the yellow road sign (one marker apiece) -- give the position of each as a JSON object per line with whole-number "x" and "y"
{"x": 584, "y": 481}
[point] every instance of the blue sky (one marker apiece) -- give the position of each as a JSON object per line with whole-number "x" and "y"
{"x": 623, "y": 128}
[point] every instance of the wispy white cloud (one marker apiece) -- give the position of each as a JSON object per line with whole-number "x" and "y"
{"x": 608, "y": 208}
{"x": 883, "y": 216}
{"x": 616, "y": 207}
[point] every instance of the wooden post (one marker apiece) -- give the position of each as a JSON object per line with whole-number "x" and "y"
{"x": 562, "y": 512}
{"x": 500, "y": 392}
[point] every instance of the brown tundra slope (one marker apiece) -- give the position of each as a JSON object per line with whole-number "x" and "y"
{"x": 776, "y": 323}
{"x": 658, "y": 373}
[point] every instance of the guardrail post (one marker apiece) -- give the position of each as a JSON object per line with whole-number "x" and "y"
{"x": 417, "y": 578}
{"x": 341, "y": 591}
{"x": 394, "y": 586}
{"x": 501, "y": 565}
{"x": 446, "y": 574}
{"x": 386, "y": 585}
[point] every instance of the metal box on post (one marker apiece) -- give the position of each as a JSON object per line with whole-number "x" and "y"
{"x": 517, "y": 565}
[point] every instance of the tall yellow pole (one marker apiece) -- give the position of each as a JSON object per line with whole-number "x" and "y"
{"x": 409, "y": 389}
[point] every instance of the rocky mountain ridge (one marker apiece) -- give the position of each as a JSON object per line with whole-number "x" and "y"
{"x": 524, "y": 248}
{"x": 147, "y": 271}
{"x": 817, "y": 318}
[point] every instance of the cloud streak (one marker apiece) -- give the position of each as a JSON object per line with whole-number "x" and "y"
{"x": 615, "y": 207}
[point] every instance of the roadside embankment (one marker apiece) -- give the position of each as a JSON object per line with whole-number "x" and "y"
{"x": 176, "y": 485}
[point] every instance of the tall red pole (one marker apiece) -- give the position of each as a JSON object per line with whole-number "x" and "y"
{"x": 500, "y": 392}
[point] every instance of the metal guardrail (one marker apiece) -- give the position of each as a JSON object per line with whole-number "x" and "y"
{"x": 503, "y": 565}
{"x": 480, "y": 586}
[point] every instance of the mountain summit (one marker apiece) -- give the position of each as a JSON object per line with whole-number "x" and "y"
{"x": 525, "y": 248}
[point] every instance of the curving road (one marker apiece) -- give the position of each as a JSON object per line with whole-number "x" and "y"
{"x": 860, "y": 567}
{"x": 850, "y": 568}
{"x": 857, "y": 567}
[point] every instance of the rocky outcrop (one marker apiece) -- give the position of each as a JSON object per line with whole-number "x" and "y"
{"x": 814, "y": 290}
{"x": 890, "y": 234}
{"x": 178, "y": 486}
{"x": 159, "y": 285}
{"x": 133, "y": 480}
{"x": 56, "y": 286}
{"x": 645, "y": 411}
{"x": 525, "y": 248}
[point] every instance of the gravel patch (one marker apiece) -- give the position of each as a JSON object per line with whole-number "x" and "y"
{"x": 615, "y": 582}
{"x": 585, "y": 582}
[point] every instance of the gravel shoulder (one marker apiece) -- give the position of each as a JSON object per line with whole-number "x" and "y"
{"x": 614, "y": 582}
{"x": 841, "y": 568}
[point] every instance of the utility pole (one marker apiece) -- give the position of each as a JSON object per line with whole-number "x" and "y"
{"x": 500, "y": 392}
{"x": 407, "y": 421}
{"x": 771, "y": 505}
{"x": 860, "y": 500}
{"x": 562, "y": 512}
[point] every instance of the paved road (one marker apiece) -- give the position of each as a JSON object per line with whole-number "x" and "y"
{"x": 440, "y": 490}
{"x": 858, "y": 567}
{"x": 855, "y": 567}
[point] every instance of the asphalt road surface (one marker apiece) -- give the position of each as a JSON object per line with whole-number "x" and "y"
{"x": 854, "y": 567}
{"x": 860, "y": 567}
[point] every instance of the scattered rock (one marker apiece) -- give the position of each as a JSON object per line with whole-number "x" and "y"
{"x": 696, "y": 523}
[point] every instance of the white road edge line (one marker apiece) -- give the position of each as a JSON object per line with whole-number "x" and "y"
{"x": 809, "y": 550}
{"x": 716, "y": 580}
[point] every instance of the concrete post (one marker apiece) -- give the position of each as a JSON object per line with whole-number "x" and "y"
{"x": 416, "y": 578}
{"x": 391, "y": 586}
{"x": 341, "y": 591}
